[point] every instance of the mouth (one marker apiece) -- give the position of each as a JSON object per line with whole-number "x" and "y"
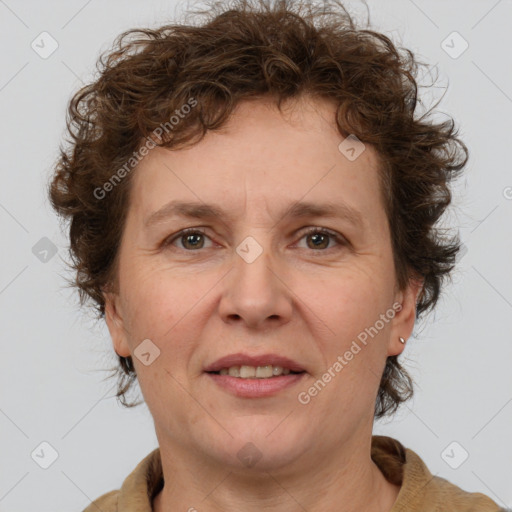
{"x": 249, "y": 376}
{"x": 255, "y": 387}
{"x": 254, "y": 366}
{"x": 255, "y": 372}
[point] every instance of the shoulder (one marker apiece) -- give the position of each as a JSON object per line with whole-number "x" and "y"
{"x": 106, "y": 503}
{"x": 419, "y": 489}
{"x": 453, "y": 497}
{"x": 137, "y": 489}
{"x": 432, "y": 492}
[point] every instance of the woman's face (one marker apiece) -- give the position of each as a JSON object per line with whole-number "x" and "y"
{"x": 254, "y": 282}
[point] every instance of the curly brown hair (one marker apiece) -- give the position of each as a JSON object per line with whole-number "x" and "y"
{"x": 244, "y": 50}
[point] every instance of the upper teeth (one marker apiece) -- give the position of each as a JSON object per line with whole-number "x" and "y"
{"x": 255, "y": 372}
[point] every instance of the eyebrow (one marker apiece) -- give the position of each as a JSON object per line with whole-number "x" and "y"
{"x": 196, "y": 210}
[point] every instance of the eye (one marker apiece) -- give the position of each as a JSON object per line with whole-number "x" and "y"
{"x": 320, "y": 238}
{"x": 191, "y": 237}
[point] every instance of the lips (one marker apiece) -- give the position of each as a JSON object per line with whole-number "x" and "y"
{"x": 241, "y": 359}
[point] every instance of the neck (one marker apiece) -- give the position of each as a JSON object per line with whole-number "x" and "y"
{"x": 350, "y": 478}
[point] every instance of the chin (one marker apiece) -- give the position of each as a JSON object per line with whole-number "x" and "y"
{"x": 259, "y": 443}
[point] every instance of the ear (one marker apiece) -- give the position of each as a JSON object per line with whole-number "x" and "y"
{"x": 403, "y": 322}
{"x": 115, "y": 324}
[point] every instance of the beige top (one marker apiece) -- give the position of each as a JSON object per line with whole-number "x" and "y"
{"x": 419, "y": 492}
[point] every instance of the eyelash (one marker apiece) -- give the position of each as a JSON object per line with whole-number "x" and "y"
{"x": 312, "y": 230}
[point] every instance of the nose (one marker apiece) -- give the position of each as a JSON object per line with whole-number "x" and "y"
{"x": 257, "y": 291}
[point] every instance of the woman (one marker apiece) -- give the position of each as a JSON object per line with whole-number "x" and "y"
{"x": 252, "y": 204}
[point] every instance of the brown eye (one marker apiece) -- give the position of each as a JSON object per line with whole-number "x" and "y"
{"x": 191, "y": 239}
{"x": 194, "y": 239}
{"x": 319, "y": 239}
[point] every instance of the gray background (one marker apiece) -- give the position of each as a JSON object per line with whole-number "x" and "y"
{"x": 52, "y": 387}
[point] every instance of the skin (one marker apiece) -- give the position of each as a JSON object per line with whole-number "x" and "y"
{"x": 296, "y": 300}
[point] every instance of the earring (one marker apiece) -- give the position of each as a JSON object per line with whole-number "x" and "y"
{"x": 401, "y": 339}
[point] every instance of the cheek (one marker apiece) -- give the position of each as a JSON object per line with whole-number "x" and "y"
{"x": 152, "y": 296}
{"x": 166, "y": 309}
{"x": 151, "y": 309}
{"x": 352, "y": 351}
{"x": 346, "y": 304}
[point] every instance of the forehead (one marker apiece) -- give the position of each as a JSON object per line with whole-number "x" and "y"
{"x": 264, "y": 157}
